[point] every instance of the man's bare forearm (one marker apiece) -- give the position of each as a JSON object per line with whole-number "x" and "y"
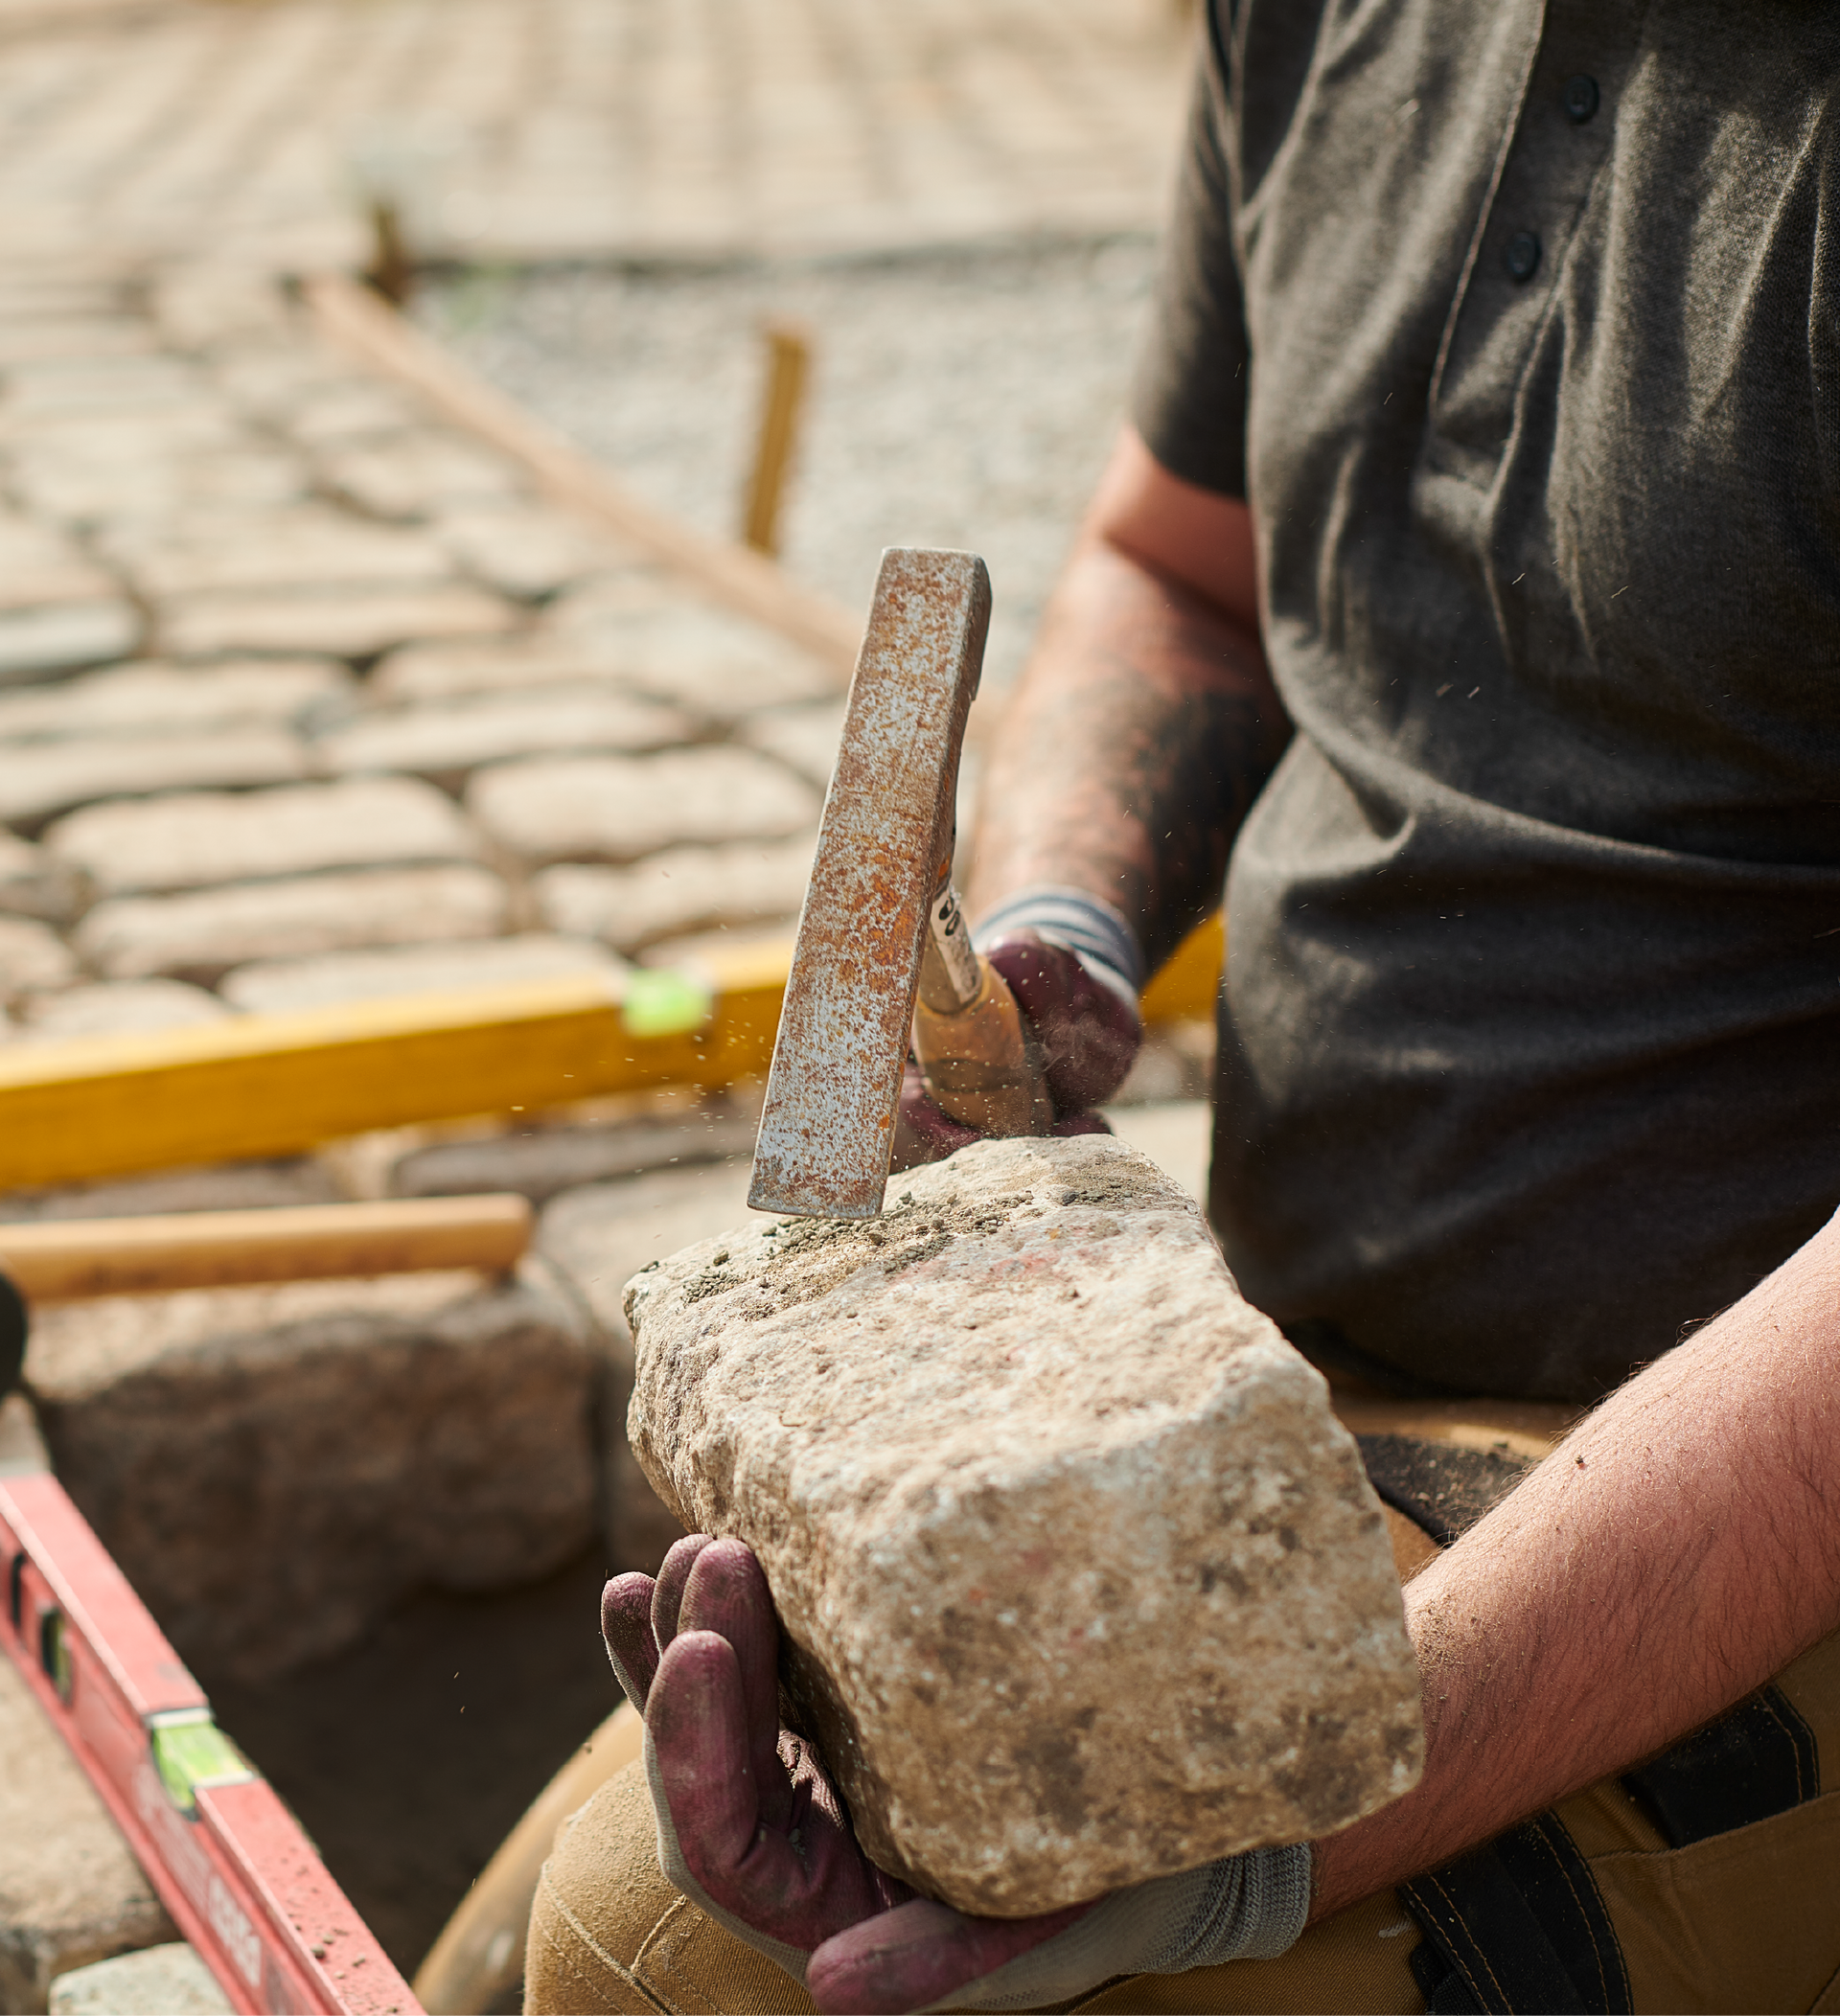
{"x": 1138, "y": 734}
{"x": 1678, "y": 1549}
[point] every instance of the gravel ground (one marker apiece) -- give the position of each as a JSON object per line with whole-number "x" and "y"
{"x": 959, "y": 399}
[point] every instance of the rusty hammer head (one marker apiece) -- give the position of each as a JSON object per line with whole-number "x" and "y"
{"x": 827, "y": 1133}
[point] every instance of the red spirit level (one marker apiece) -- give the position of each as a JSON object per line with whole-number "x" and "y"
{"x": 229, "y": 1861}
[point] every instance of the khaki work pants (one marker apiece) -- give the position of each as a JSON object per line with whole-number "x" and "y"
{"x": 1712, "y": 1882}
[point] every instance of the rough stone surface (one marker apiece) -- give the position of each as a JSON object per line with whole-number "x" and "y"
{"x": 159, "y": 1981}
{"x": 617, "y": 808}
{"x": 681, "y": 890}
{"x": 1036, "y": 1491}
{"x": 273, "y": 1467}
{"x": 596, "y": 1238}
{"x": 70, "y": 1892}
{"x": 282, "y": 986}
{"x": 199, "y": 839}
{"x": 31, "y": 956}
{"x": 40, "y": 780}
{"x": 448, "y": 743}
{"x": 201, "y": 936}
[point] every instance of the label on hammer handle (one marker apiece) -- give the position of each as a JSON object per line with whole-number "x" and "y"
{"x": 951, "y": 941}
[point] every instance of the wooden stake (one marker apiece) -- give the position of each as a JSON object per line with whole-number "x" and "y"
{"x": 77, "y": 1258}
{"x": 788, "y": 361}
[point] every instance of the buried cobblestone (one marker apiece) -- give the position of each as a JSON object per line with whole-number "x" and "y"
{"x": 150, "y": 694}
{"x": 617, "y": 808}
{"x": 120, "y": 1008}
{"x": 33, "y": 884}
{"x": 201, "y": 936}
{"x": 283, "y": 986}
{"x": 679, "y": 892}
{"x": 31, "y": 956}
{"x": 40, "y": 780}
{"x": 199, "y": 839}
{"x": 450, "y": 741}
{"x": 354, "y": 622}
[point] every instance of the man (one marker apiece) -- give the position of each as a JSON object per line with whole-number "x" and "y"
{"x": 1471, "y": 573}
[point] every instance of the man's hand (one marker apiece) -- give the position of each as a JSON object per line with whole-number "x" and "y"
{"x": 749, "y": 1826}
{"x": 1089, "y": 1038}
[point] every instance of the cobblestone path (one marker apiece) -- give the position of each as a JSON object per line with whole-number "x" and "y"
{"x": 304, "y": 696}
{"x": 542, "y": 128}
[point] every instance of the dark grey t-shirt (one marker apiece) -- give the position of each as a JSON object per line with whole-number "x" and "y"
{"x": 1517, "y": 327}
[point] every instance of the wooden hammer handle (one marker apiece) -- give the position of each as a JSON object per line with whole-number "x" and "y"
{"x": 125, "y": 1256}
{"x": 983, "y": 1066}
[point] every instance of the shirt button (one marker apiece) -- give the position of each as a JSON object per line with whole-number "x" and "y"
{"x": 1521, "y": 255}
{"x": 1579, "y": 98}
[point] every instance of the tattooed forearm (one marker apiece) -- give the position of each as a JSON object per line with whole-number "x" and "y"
{"x": 1136, "y": 742}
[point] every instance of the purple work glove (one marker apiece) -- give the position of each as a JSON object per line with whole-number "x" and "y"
{"x": 750, "y": 1828}
{"x": 1089, "y": 1038}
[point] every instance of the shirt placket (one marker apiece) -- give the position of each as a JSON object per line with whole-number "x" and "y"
{"x": 1560, "y": 142}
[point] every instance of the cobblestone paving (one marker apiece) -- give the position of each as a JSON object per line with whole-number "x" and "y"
{"x": 304, "y": 697}
{"x": 541, "y": 128}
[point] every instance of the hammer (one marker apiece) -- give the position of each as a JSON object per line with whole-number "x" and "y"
{"x": 882, "y": 955}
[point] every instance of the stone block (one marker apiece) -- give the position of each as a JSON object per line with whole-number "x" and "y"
{"x": 28, "y": 342}
{"x": 120, "y": 1007}
{"x": 681, "y": 890}
{"x": 33, "y": 884}
{"x": 39, "y": 643}
{"x": 618, "y": 808}
{"x": 39, "y": 780}
{"x": 152, "y": 696}
{"x": 159, "y": 1981}
{"x": 540, "y": 1162}
{"x": 70, "y": 1892}
{"x": 447, "y": 741}
{"x": 804, "y": 739}
{"x": 1035, "y": 1488}
{"x": 531, "y": 552}
{"x": 32, "y": 956}
{"x": 99, "y": 388}
{"x": 489, "y": 665}
{"x": 345, "y": 623}
{"x": 201, "y": 936}
{"x": 198, "y": 839}
{"x": 273, "y": 1468}
{"x": 704, "y": 659}
{"x": 283, "y": 986}
{"x": 107, "y": 490}
{"x": 413, "y": 475}
{"x": 38, "y": 565}
{"x": 348, "y": 410}
{"x": 305, "y": 546}
{"x": 596, "y": 1238}
{"x": 220, "y": 1186}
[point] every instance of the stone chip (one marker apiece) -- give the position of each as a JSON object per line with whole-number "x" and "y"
{"x": 1041, "y": 1499}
